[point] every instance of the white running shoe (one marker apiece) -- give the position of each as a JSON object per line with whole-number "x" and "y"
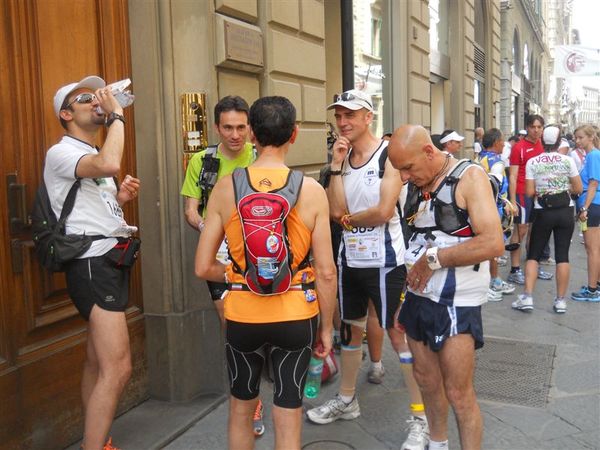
{"x": 334, "y": 409}
{"x": 503, "y": 287}
{"x": 502, "y": 260}
{"x": 418, "y": 434}
{"x": 560, "y": 306}
{"x": 376, "y": 374}
{"x": 494, "y": 296}
{"x": 523, "y": 303}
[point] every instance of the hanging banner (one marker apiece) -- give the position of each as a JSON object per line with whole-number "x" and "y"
{"x": 576, "y": 61}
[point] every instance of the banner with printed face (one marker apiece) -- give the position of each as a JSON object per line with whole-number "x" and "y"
{"x": 576, "y": 60}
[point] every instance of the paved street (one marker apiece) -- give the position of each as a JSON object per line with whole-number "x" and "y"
{"x": 538, "y": 385}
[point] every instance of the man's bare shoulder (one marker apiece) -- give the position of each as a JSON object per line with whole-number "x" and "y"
{"x": 474, "y": 183}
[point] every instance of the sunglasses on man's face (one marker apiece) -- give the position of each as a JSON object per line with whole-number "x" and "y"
{"x": 86, "y": 97}
{"x": 347, "y": 96}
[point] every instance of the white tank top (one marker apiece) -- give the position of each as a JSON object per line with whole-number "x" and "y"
{"x": 379, "y": 246}
{"x": 451, "y": 286}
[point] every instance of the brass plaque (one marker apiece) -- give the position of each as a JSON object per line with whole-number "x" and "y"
{"x": 243, "y": 44}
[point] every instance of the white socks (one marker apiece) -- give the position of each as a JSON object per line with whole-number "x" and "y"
{"x": 436, "y": 445}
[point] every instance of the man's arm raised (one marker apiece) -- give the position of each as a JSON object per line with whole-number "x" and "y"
{"x": 391, "y": 185}
{"x": 335, "y": 191}
{"x": 106, "y": 163}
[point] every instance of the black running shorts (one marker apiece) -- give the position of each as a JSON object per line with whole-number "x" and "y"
{"x": 383, "y": 286}
{"x": 95, "y": 281}
{"x": 290, "y": 347}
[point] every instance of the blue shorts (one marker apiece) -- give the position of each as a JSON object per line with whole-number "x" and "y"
{"x": 593, "y": 216}
{"x": 524, "y": 207}
{"x": 431, "y": 323}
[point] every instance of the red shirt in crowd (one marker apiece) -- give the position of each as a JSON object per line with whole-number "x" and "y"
{"x": 522, "y": 152}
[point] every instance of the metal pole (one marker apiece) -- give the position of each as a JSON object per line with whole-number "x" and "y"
{"x": 347, "y": 44}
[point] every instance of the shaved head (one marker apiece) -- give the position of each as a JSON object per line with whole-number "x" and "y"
{"x": 411, "y": 152}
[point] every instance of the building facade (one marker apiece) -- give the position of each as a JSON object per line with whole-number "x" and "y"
{"x": 558, "y": 14}
{"x": 435, "y": 63}
{"x": 524, "y": 53}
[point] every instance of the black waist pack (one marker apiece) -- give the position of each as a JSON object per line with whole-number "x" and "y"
{"x": 125, "y": 253}
{"x": 554, "y": 201}
{"x": 54, "y": 248}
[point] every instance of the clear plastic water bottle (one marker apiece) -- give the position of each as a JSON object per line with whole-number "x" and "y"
{"x": 313, "y": 378}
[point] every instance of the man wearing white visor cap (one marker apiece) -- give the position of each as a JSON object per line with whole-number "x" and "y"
{"x": 98, "y": 288}
{"x": 363, "y": 193}
{"x": 451, "y": 141}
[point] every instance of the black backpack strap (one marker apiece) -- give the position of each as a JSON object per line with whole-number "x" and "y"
{"x": 69, "y": 202}
{"x": 382, "y": 160}
{"x": 206, "y": 188}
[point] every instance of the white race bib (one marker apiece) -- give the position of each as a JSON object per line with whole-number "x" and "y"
{"x": 363, "y": 243}
{"x": 223, "y": 254}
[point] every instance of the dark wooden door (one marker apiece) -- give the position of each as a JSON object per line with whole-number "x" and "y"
{"x": 45, "y": 44}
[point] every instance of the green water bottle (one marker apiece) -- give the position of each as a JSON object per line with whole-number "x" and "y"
{"x": 313, "y": 378}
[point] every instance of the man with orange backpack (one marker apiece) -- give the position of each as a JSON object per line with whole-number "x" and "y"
{"x": 272, "y": 217}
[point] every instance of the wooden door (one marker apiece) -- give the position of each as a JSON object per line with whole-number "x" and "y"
{"x": 45, "y": 44}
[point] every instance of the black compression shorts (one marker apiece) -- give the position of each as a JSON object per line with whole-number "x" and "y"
{"x": 290, "y": 347}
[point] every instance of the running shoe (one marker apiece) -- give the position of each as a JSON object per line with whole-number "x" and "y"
{"x": 560, "y": 306}
{"x": 517, "y": 277}
{"x": 257, "y": 420}
{"x": 109, "y": 446}
{"x": 502, "y": 260}
{"x": 550, "y": 261}
{"x": 376, "y": 374}
{"x": 544, "y": 275}
{"x": 523, "y": 303}
{"x": 585, "y": 295}
{"x": 418, "y": 434}
{"x": 494, "y": 296}
{"x": 502, "y": 286}
{"x": 334, "y": 409}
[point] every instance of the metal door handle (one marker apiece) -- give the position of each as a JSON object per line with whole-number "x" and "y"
{"x": 17, "y": 204}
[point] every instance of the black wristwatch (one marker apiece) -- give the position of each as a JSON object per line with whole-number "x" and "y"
{"x": 112, "y": 117}
{"x": 335, "y": 172}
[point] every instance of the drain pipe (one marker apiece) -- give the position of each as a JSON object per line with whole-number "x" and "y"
{"x": 347, "y": 20}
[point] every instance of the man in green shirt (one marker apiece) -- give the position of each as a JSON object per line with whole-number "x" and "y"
{"x": 233, "y": 151}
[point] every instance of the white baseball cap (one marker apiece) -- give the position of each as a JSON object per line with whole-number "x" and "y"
{"x": 354, "y": 100}
{"x": 550, "y": 135}
{"x": 454, "y": 136}
{"x": 92, "y": 82}
{"x": 523, "y": 132}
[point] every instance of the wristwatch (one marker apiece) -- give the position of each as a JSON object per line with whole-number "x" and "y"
{"x": 112, "y": 117}
{"x": 583, "y": 209}
{"x": 431, "y": 256}
{"x": 335, "y": 172}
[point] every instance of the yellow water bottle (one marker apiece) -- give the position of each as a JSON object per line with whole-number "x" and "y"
{"x": 583, "y": 225}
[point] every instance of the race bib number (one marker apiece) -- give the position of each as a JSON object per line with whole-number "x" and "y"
{"x": 222, "y": 253}
{"x": 363, "y": 243}
{"x": 414, "y": 252}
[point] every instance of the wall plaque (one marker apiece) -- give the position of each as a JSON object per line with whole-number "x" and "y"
{"x": 243, "y": 44}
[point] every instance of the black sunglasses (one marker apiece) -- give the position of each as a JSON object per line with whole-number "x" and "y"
{"x": 86, "y": 97}
{"x": 347, "y": 96}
